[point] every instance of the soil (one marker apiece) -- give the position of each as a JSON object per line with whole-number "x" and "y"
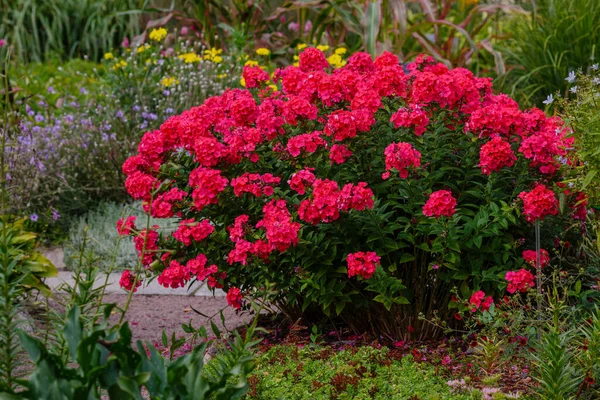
{"x": 149, "y": 316}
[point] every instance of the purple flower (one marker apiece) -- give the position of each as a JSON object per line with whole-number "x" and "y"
{"x": 50, "y": 89}
{"x": 34, "y": 217}
{"x": 83, "y": 90}
{"x": 39, "y": 118}
{"x": 119, "y": 114}
{"x": 169, "y": 111}
{"x": 136, "y": 108}
{"x": 166, "y": 92}
{"x": 55, "y": 215}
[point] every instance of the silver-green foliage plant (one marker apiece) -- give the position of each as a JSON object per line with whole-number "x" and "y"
{"x": 98, "y": 228}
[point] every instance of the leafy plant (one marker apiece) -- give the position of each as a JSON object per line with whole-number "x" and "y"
{"x": 556, "y": 38}
{"x": 67, "y": 28}
{"x": 102, "y": 359}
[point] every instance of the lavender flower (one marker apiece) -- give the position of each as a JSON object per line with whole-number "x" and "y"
{"x": 55, "y": 215}
{"x": 34, "y": 217}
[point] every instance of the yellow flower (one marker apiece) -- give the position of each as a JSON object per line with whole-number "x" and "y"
{"x": 213, "y": 55}
{"x": 119, "y": 64}
{"x": 323, "y": 47}
{"x": 169, "y": 81}
{"x": 108, "y": 56}
{"x": 243, "y": 82}
{"x": 189, "y": 58}
{"x": 296, "y": 64}
{"x": 341, "y": 50}
{"x": 273, "y": 87}
{"x": 296, "y": 58}
{"x": 263, "y": 51}
{"x": 251, "y": 63}
{"x": 221, "y": 76}
{"x": 335, "y": 60}
{"x": 217, "y": 59}
{"x": 158, "y": 34}
{"x": 301, "y": 46}
{"x": 142, "y": 48}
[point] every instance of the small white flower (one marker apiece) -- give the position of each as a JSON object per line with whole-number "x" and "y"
{"x": 571, "y": 78}
{"x": 596, "y": 80}
{"x": 548, "y": 100}
{"x": 595, "y": 67}
{"x": 573, "y": 89}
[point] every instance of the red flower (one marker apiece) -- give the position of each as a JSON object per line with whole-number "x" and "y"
{"x": 413, "y": 117}
{"x": 174, "y": 276}
{"x": 127, "y": 279}
{"x": 125, "y": 228}
{"x": 440, "y": 203}
{"x": 530, "y": 257}
{"x": 362, "y": 263}
{"x": 312, "y": 59}
{"x": 495, "y": 155}
{"x": 539, "y": 203}
{"x": 521, "y": 280}
{"x": 401, "y": 156}
{"x": 300, "y": 180}
{"x": 234, "y": 298}
{"x": 478, "y": 299}
{"x": 190, "y": 229}
{"x": 339, "y": 153}
{"x": 254, "y": 76}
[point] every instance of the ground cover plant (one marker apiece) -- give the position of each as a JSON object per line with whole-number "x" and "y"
{"x": 352, "y": 189}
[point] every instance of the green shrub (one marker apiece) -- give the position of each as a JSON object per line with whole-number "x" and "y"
{"x": 98, "y": 228}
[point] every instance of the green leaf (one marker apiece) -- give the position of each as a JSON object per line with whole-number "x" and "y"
{"x": 588, "y": 178}
{"x": 215, "y": 330}
{"x": 372, "y": 25}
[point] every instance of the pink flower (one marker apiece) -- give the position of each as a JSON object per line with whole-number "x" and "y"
{"x": 127, "y": 280}
{"x": 521, "y": 280}
{"x": 401, "y": 156}
{"x": 339, "y": 153}
{"x": 440, "y": 203}
{"x": 495, "y": 155}
{"x": 539, "y": 203}
{"x": 411, "y": 117}
{"x": 478, "y": 299}
{"x": 124, "y": 228}
{"x": 362, "y": 263}
{"x": 530, "y": 257}
{"x": 234, "y": 298}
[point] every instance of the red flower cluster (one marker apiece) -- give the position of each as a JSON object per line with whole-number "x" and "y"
{"x": 174, "y": 276}
{"x": 521, "y": 280}
{"x": 339, "y": 153}
{"x": 162, "y": 206}
{"x": 530, "y": 257}
{"x": 401, "y": 156}
{"x": 234, "y": 298}
{"x": 300, "y": 180}
{"x": 362, "y": 263}
{"x": 478, "y": 299}
{"x": 256, "y": 184}
{"x": 127, "y": 280}
{"x": 190, "y": 229}
{"x": 281, "y": 231}
{"x": 308, "y": 142}
{"x": 412, "y": 117}
{"x": 440, "y": 203}
{"x": 124, "y": 228}
{"x": 539, "y": 203}
{"x": 198, "y": 268}
{"x": 328, "y": 200}
{"x": 254, "y": 76}
{"x": 147, "y": 241}
{"x": 495, "y": 155}
{"x": 207, "y": 184}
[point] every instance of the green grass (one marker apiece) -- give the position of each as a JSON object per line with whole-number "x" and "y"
{"x": 286, "y": 372}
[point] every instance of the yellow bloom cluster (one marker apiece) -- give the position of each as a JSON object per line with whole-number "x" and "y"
{"x": 263, "y": 52}
{"x": 340, "y": 51}
{"x": 336, "y": 61}
{"x": 221, "y": 76}
{"x": 168, "y": 81}
{"x": 251, "y": 63}
{"x": 301, "y": 46}
{"x": 108, "y": 56}
{"x": 189, "y": 58}
{"x": 213, "y": 55}
{"x": 323, "y": 47}
{"x": 158, "y": 34}
{"x": 143, "y": 48}
{"x": 119, "y": 64}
